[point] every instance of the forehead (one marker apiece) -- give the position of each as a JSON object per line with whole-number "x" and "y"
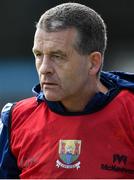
{"x": 63, "y": 38}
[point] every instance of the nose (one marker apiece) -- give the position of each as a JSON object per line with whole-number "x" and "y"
{"x": 46, "y": 66}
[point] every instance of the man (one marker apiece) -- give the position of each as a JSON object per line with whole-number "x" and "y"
{"x": 80, "y": 124}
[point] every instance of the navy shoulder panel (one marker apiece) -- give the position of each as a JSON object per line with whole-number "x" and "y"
{"x": 1, "y": 126}
{"x": 8, "y": 163}
{"x": 5, "y": 114}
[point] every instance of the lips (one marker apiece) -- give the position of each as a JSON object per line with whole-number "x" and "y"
{"x": 48, "y": 84}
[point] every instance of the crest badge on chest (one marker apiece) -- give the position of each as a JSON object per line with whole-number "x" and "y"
{"x": 69, "y": 152}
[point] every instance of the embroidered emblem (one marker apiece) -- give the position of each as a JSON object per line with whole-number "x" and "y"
{"x": 69, "y": 151}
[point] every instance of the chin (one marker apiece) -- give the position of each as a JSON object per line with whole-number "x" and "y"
{"x": 52, "y": 98}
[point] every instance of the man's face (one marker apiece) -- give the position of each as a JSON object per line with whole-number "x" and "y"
{"x": 63, "y": 72}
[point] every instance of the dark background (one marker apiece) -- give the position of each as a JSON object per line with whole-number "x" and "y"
{"x": 17, "y": 27}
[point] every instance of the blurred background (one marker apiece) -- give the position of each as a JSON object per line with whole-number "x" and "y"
{"x": 18, "y": 19}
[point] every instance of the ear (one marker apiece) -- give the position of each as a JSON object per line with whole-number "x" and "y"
{"x": 95, "y": 62}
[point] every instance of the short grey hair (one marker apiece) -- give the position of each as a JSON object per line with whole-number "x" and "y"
{"x": 92, "y": 35}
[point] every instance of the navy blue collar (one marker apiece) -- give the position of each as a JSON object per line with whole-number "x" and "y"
{"x": 94, "y": 105}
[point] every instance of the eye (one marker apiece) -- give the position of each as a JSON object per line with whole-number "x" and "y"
{"x": 38, "y": 54}
{"x": 56, "y": 56}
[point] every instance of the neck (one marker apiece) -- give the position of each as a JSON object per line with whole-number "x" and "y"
{"x": 78, "y": 102}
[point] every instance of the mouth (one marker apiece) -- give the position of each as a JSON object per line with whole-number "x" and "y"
{"x": 48, "y": 85}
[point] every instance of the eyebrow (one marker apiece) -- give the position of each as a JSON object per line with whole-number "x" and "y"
{"x": 34, "y": 50}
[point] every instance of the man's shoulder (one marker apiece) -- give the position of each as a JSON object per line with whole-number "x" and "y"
{"x": 128, "y": 94}
{"x": 25, "y": 109}
{"x": 126, "y": 99}
{"x": 28, "y": 102}
{"x": 17, "y": 107}
{"x": 25, "y": 105}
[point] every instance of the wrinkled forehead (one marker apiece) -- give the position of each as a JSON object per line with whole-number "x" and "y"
{"x": 65, "y": 37}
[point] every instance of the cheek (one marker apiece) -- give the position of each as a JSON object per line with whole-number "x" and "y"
{"x": 72, "y": 75}
{"x": 76, "y": 73}
{"x": 37, "y": 65}
{"x": 77, "y": 77}
{"x": 69, "y": 79}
